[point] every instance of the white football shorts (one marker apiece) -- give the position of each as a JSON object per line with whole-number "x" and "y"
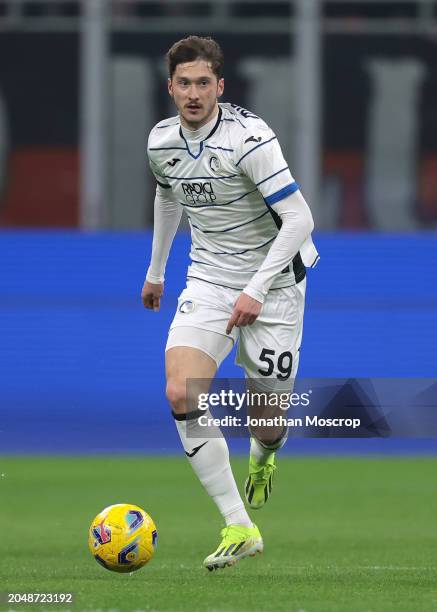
{"x": 267, "y": 350}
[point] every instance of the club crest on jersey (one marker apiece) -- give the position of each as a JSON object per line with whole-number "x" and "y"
{"x": 187, "y": 307}
{"x": 198, "y": 193}
{"x": 214, "y": 163}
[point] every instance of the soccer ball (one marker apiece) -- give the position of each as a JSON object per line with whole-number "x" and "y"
{"x": 122, "y": 538}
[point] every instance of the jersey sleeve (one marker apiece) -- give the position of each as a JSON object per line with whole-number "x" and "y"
{"x": 261, "y": 159}
{"x": 154, "y": 166}
{"x": 162, "y": 182}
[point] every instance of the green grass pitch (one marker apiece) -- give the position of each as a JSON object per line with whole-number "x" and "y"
{"x": 340, "y": 535}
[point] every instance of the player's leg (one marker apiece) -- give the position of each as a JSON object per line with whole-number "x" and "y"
{"x": 265, "y": 442}
{"x": 196, "y": 346}
{"x": 269, "y": 352}
{"x": 205, "y": 447}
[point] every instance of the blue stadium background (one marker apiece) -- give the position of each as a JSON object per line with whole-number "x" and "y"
{"x": 82, "y": 363}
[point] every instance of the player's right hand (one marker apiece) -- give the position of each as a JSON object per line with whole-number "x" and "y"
{"x": 151, "y": 294}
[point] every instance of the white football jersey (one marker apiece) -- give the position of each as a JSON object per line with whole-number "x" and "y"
{"x": 228, "y": 183}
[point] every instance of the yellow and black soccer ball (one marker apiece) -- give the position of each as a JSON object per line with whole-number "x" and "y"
{"x": 122, "y": 538}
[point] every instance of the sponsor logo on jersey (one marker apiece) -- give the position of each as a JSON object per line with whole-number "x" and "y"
{"x": 187, "y": 307}
{"x": 214, "y": 163}
{"x": 198, "y": 193}
{"x": 173, "y": 161}
{"x": 253, "y": 139}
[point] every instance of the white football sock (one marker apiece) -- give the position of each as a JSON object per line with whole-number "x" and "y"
{"x": 208, "y": 454}
{"x": 262, "y": 452}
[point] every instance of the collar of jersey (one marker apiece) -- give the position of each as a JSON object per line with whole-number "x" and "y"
{"x": 199, "y": 132}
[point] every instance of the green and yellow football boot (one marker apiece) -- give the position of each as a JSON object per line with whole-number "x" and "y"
{"x": 237, "y": 542}
{"x": 258, "y": 486}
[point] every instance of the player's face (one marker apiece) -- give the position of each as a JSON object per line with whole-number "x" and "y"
{"x": 195, "y": 88}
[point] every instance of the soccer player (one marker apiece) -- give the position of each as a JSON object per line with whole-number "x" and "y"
{"x": 251, "y": 239}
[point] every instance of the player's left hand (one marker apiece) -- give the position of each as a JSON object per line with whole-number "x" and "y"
{"x": 246, "y": 311}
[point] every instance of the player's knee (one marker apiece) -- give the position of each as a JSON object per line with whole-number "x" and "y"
{"x": 269, "y": 436}
{"x": 176, "y": 392}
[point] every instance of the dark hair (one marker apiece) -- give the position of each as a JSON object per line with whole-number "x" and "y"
{"x": 193, "y": 48}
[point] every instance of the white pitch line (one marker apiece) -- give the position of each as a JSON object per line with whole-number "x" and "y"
{"x": 364, "y": 567}
{"x": 396, "y": 568}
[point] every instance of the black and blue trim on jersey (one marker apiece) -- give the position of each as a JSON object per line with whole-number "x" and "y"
{"x": 234, "y": 288}
{"x": 206, "y": 178}
{"x": 161, "y": 127}
{"x": 282, "y": 193}
{"x": 204, "y": 263}
{"x": 261, "y": 144}
{"x": 272, "y": 176}
{"x": 214, "y": 129}
{"x": 187, "y": 148}
{"x": 227, "y": 229}
{"x": 166, "y": 148}
{"x": 236, "y": 120}
{"x": 219, "y": 148}
{"x": 163, "y": 185}
{"x": 260, "y": 246}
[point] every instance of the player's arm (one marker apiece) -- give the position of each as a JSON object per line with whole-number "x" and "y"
{"x": 264, "y": 164}
{"x": 297, "y": 225}
{"x": 167, "y": 215}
